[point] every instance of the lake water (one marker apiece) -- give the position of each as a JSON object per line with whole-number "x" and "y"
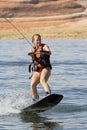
{"x": 69, "y": 77}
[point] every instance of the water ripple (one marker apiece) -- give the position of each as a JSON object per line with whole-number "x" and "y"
{"x": 14, "y": 63}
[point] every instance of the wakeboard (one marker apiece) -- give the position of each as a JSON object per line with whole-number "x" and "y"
{"x": 44, "y": 104}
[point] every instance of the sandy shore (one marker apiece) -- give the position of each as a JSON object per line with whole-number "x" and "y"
{"x": 50, "y": 27}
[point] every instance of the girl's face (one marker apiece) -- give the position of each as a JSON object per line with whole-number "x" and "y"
{"x": 37, "y": 41}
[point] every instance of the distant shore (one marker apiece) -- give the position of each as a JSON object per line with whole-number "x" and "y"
{"x": 70, "y": 26}
{"x": 48, "y": 30}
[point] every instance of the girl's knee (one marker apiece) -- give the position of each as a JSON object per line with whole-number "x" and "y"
{"x": 33, "y": 85}
{"x": 42, "y": 81}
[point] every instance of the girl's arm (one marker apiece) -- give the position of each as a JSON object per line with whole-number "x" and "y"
{"x": 46, "y": 48}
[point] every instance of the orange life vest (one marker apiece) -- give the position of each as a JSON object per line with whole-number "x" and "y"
{"x": 40, "y": 60}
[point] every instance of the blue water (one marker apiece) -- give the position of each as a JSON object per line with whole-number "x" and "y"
{"x": 69, "y": 77}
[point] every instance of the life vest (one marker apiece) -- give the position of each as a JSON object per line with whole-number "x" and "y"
{"x": 40, "y": 60}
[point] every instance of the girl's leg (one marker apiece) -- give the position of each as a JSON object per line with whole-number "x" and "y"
{"x": 34, "y": 81}
{"x": 44, "y": 78}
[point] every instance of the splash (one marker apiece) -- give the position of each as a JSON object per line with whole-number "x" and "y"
{"x": 12, "y": 101}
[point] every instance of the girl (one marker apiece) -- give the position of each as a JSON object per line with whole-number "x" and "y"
{"x": 40, "y": 54}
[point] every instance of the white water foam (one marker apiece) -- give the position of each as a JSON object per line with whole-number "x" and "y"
{"x": 12, "y": 101}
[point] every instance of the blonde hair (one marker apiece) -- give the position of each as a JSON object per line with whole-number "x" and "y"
{"x": 39, "y": 36}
